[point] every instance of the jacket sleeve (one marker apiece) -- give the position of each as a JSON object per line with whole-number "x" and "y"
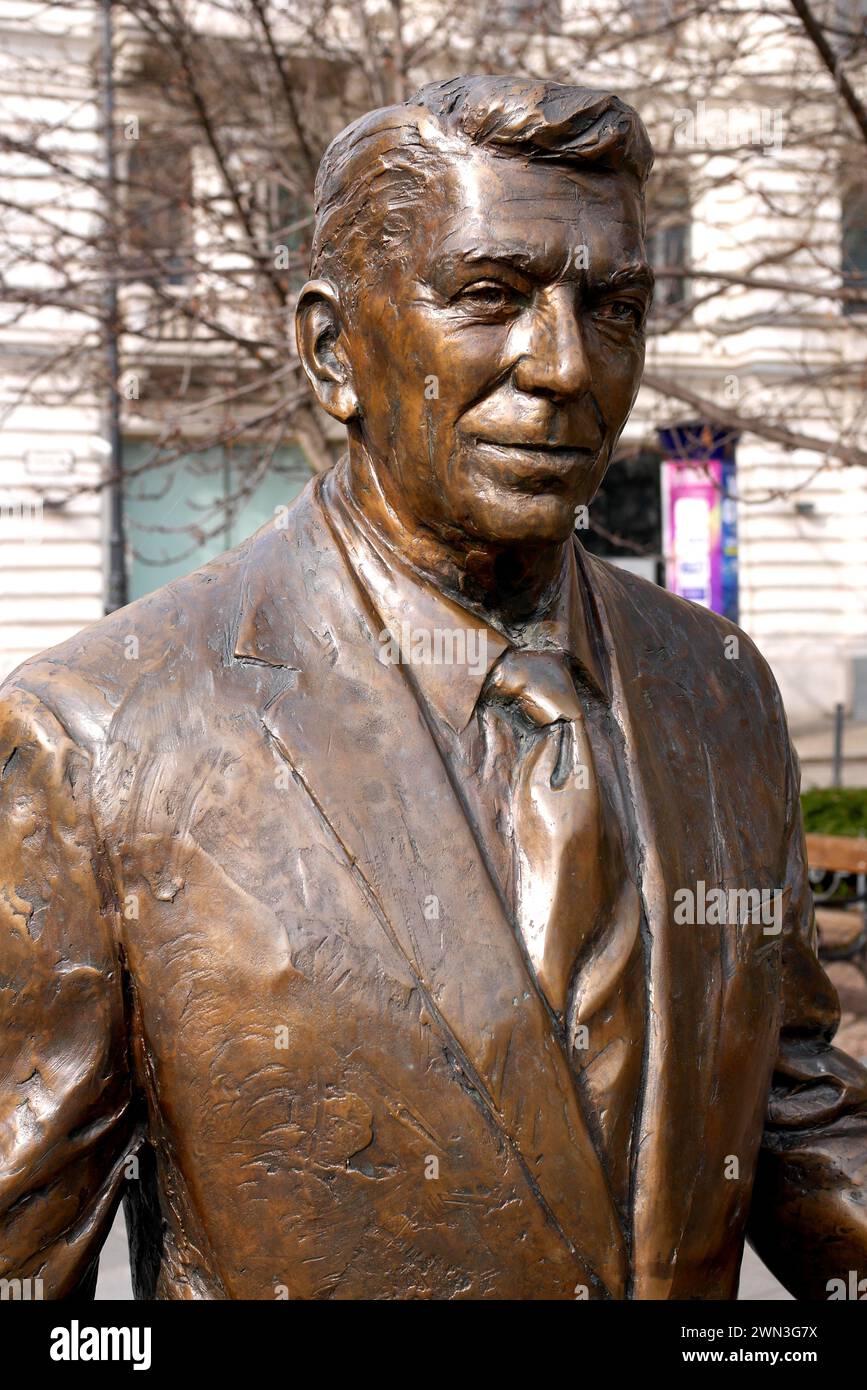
{"x": 808, "y": 1219}
{"x": 65, "y": 1110}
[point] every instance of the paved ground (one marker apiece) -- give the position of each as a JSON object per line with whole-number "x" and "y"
{"x": 851, "y": 986}
{"x": 114, "y": 1280}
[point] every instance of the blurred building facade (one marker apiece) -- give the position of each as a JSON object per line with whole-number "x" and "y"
{"x": 794, "y": 548}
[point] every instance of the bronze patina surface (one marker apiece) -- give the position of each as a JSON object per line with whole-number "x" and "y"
{"x": 375, "y": 907}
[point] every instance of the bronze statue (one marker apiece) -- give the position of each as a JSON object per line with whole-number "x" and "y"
{"x": 408, "y": 904}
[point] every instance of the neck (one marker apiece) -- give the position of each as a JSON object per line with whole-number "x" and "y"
{"x": 507, "y": 583}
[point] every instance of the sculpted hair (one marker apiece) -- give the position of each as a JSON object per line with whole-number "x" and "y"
{"x": 375, "y": 172}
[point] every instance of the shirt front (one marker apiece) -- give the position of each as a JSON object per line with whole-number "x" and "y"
{"x": 449, "y": 654}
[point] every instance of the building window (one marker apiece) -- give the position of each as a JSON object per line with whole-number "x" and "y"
{"x": 159, "y": 195}
{"x": 626, "y": 516}
{"x": 530, "y": 14}
{"x": 654, "y": 14}
{"x": 853, "y": 245}
{"x": 181, "y": 514}
{"x": 848, "y": 34}
{"x": 669, "y": 221}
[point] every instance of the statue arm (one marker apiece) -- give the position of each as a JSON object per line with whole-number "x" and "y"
{"x": 808, "y": 1219}
{"x": 65, "y": 1101}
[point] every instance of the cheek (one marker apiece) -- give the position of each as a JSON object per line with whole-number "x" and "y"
{"x": 618, "y": 383}
{"x": 402, "y": 367}
{"x": 462, "y": 360}
{"x": 384, "y": 343}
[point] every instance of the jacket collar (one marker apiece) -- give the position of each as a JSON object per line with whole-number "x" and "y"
{"x": 420, "y": 620}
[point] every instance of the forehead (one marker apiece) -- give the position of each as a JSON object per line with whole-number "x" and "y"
{"x": 486, "y": 204}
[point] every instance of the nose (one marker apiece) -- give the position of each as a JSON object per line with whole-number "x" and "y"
{"x": 554, "y": 360}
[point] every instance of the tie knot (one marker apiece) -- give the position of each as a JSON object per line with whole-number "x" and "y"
{"x": 540, "y": 682}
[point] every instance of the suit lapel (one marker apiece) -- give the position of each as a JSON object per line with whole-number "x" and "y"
{"x": 356, "y": 739}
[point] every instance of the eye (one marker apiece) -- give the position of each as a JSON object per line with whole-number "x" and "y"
{"x": 489, "y": 296}
{"x": 621, "y": 311}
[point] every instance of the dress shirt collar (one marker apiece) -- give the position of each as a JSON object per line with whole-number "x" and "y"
{"x": 417, "y": 616}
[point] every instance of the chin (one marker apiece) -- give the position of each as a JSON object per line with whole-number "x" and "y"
{"x": 524, "y": 518}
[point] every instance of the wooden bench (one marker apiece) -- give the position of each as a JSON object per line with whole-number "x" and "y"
{"x": 842, "y": 929}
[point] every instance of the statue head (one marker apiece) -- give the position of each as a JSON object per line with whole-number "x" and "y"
{"x": 477, "y": 313}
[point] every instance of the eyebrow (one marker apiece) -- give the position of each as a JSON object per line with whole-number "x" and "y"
{"x": 515, "y": 256}
{"x": 635, "y": 275}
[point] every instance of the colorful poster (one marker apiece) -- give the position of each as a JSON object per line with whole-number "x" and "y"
{"x": 700, "y": 531}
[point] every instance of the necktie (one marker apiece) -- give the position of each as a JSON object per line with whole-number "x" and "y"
{"x": 554, "y": 819}
{"x": 574, "y": 905}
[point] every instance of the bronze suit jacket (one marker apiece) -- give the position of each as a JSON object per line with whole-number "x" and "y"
{"x": 222, "y": 820}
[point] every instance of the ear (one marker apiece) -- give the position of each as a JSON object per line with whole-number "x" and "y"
{"x": 320, "y": 335}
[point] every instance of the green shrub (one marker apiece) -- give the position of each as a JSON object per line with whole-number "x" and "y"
{"x": 835, "y": 811}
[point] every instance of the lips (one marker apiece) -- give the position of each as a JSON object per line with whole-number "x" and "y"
{"x": 533, "y": 446}
{"x": 537, "y": 466}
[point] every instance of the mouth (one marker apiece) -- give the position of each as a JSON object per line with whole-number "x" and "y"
{"x": 538, "y": 467}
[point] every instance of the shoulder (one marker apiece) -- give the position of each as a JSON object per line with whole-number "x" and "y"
{"x": 167, "y": 638}
{"x": 702, "y": 650}
{"x": 165, "y": 654}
